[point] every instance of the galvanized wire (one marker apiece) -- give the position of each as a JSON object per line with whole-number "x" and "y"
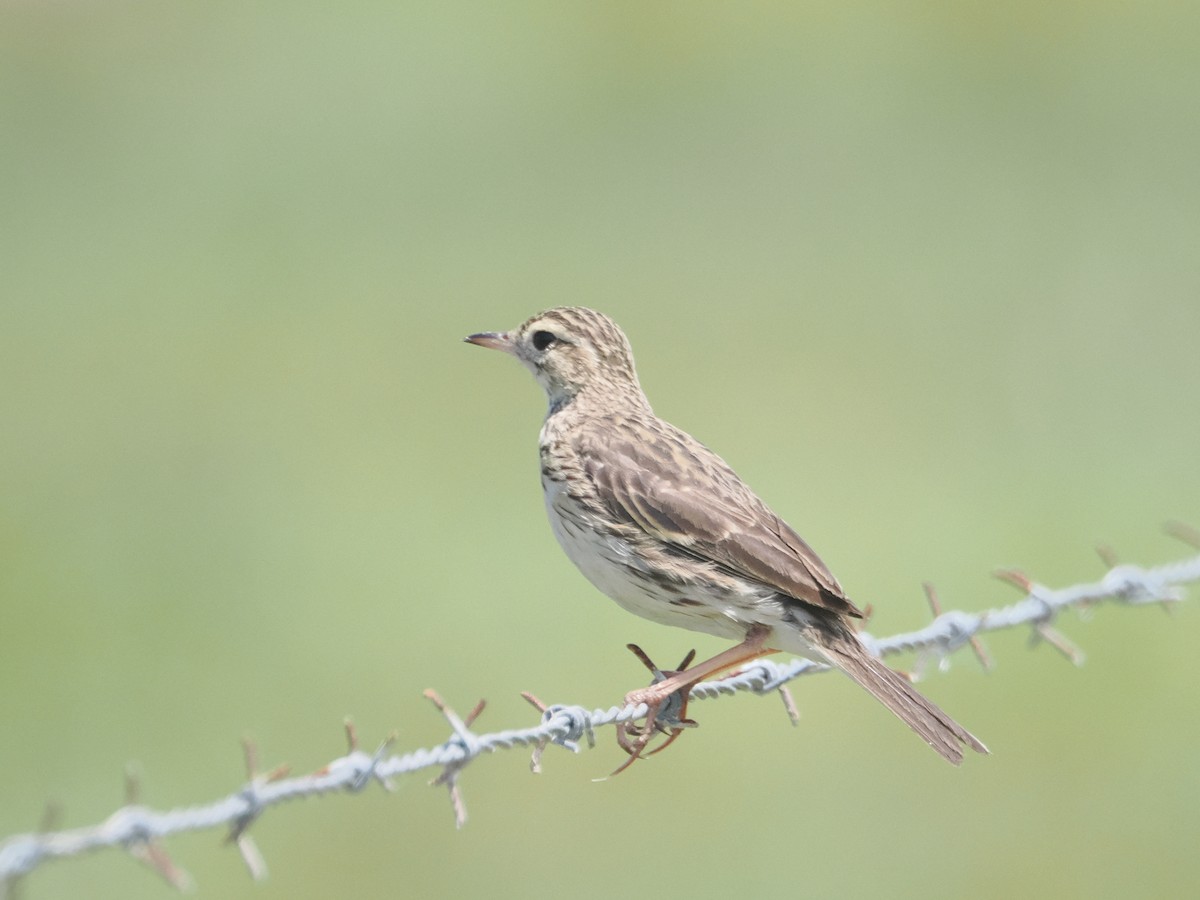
{"x": 140, "y": 830}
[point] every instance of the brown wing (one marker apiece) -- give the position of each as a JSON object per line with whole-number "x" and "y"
{"x": 677, "y": 490}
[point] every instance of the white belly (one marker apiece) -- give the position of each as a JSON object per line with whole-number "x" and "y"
{"x": 612, "y": 565}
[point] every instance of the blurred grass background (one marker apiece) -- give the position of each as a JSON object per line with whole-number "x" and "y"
{"x": 926, "y": 274}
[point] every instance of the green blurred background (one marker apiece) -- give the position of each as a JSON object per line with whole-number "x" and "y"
{"x": 926, "y": 274}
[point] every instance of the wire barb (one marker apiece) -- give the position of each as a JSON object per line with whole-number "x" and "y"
{"x": 1186, "y": 533}
{"x": 535, "y": 759}
{"x": 471, "y": 748}
{"x": 970, "y": 637}
{"x": 239, "y": 835}
{"x": 142, "y": 844}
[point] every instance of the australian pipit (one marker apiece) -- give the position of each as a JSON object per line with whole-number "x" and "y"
{"x": 664, "y": 526}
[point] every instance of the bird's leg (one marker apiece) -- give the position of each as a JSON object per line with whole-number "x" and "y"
{"x": 671, "y": 719}
{"x": 681, "y": 682}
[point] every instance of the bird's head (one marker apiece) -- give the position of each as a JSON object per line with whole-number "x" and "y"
{"x": 571, "y": 351}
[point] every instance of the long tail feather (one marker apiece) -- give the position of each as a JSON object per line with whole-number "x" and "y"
{"x": 895, "y": 692}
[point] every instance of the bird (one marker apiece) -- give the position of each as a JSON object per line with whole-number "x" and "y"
{"x": 665, "y": 527}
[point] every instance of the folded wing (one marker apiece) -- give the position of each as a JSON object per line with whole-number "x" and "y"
{"x": 708, "y": 513}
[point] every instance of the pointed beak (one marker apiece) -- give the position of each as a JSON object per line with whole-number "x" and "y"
{"x": 493, "y": 340}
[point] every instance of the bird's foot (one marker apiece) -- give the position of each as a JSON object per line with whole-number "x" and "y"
{"x": 666, "y": 700}
{"x": 666, "y": 697}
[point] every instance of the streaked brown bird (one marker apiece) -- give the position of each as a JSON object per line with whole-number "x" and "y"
{"x": 664, "y": 526}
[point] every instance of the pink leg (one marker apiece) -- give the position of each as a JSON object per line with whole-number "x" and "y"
{"x": 654, "y": 695}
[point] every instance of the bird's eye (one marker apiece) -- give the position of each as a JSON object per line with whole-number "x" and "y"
{"x": 543, "y": 339}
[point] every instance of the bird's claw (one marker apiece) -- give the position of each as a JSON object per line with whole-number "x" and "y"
{"x": 665, "y": 713}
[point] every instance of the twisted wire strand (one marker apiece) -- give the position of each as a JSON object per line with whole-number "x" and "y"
{"x": 139, "y": 830}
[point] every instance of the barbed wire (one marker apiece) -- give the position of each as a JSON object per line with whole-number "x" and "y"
{"x": 140, "y": 830}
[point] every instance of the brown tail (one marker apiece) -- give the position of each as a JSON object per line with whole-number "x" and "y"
{"x": 895, "y": 692}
